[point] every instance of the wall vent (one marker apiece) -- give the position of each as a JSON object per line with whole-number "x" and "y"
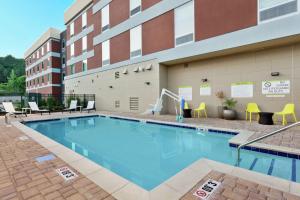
{"x": 117, "y": 104}
{"x": 279, "y": 10}
{"x": 105, "y": 28}
{"x": 133, "y": 103}
{"x": 135, "y": 10}
{"x": 117, "y": 75}
{"x": 185, "y": 39}
{"x": 136, "y": 53}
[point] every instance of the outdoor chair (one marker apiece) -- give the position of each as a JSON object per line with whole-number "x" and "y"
{"x": 34, "y": 108}
{"x": 9, "y": 108}
{"x": 73, "y": 106}
{"x": 289, "y": 109}
{"x": 90, "y": 106}
{"x": 252, "y": 108}
{"x": 201, "y": 108}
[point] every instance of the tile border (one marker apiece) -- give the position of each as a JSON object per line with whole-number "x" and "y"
{"x": 170, "y": 189}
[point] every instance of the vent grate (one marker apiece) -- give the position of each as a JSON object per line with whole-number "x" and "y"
{"x": 135, "y": 10}
{"x": 117, "y": 104}
{"x": 136, "y": 53}
{"x": 133, "y": 103}
{"x": 185, "y": 39}
{"x": 278, "y": 11}
{"x": 105, "y": 28}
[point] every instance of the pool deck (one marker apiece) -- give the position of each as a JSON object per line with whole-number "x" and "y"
{"x": 22, "y": 177}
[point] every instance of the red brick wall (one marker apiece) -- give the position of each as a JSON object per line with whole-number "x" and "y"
{"x": 54, "y": 47}
{"x": 118, "y": 12}
{"x": 96, "y": 60}
{"x": 158, "y": 33}
{"x": 120, "y": 47}
{"x": 55, "y": 62}
{"x": 78, "y": 47}
{"x": 215, "y": 17}
{"x": 77, "y": 25}
{"x": 148, "y": 3}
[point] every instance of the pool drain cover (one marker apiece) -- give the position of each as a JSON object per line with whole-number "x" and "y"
{"x": 66, "y": 173}
{"x": 45, "y": 158}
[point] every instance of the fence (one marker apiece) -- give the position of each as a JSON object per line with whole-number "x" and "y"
{"x": 49, "y": 101}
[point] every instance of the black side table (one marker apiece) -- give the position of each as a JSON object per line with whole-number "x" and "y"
{"x": 187, "y": 113}
{"x": 266, "y": 118}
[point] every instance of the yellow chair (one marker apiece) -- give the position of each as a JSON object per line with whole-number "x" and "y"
{"x": 202, "y": 107}
{"x": 252, "y": 108}
{"x": 186, "y": 105}
{"x": 289, "y": 109}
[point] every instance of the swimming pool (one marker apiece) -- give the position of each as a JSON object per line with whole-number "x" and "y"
{"x": 148, "y": 154}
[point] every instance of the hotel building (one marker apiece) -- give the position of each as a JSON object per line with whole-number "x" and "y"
{"x": 126, "y": 51}
{"x": 43, "y": 64}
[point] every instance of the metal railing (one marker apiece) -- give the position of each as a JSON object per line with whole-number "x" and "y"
{"x": 261, "y": 138}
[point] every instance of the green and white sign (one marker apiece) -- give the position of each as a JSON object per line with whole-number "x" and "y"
{"x": 205, "y": 90}
{"x": 276, "y": 87}
{"x": 186, "y": 92}
{"x": 242, "y": 90}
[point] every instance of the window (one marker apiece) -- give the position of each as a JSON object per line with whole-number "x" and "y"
{"x": 84, "y": 65}
{"x": 270, "y": 9}
{"x": 43, "y": 80}
{"x": 136, "y": 41}
{"x": 38, "y": 68}
{"x": 84, "y": 44}
{"x": 184, "y": 23}
{"x": 105, "y": 18}
{"x": 42, "y": 50}
{"x": 33, "y": 56}
{"x": 42, "y": 65}
{"x": 63, "y": 60}
{"x": 48, "y": 46}
{"x": 48, "y": 62}
{"x": 72, "y": 70}
{"x": 84, "y": 20}
{"x": 38, "y": 80}
{"x": 63, "y": 43}
{"x": 106, "y": 53}
{"x": 135, "y": 7}
{"x": 72, "y": 50}
{"x": 38, "y": 54}
{"x": 49, "y": 77}
{"x": 72, "y": 29}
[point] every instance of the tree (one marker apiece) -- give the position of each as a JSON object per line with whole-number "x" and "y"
{"x": 15, "y": 84}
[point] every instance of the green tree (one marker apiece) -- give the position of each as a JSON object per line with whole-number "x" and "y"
{"x": 16, "y": 84}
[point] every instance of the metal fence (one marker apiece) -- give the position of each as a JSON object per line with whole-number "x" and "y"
{"x": 49, "y": 101}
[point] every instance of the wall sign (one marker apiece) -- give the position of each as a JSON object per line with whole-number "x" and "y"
{"x": 207, "y": 189}
{"x": 66, "y": 173}
{"x": 186, "y": 92}
{"x": 242, "y": 90}
{"x": 277, "y": 87}
{"x": 205, "y": 90}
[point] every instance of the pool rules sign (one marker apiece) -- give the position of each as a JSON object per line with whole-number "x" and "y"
{"x": 278, "y": 87}
{"x": 207, "y": 189}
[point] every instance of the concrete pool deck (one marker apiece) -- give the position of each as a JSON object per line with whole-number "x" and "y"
{"x": 178, "y": 186}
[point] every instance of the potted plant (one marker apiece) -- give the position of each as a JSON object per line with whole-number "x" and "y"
{"x": 220, "y": 95}
{"x": 229, "y": 112}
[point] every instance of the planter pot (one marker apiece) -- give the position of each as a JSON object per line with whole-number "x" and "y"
{"x": 230, "y": 114}
{"x": 220, "y": 111}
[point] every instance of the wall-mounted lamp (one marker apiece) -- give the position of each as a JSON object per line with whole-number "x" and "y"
{"x": 149, "y": 67}
{"x": 136, "y": 70}
{"x": 147, "y": 83}
{"x": 110, "y": 86}
{"x": 204, "y": 80}
{"x": 275, "y": 73}
{"x": 125, "y": 71}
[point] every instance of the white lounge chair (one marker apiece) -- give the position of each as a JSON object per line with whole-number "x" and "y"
{"x": 9, "y": 108}
{"x": 90, "y": 106}
{"x": 73, "y": 106}
{"x": 34, "y": 108}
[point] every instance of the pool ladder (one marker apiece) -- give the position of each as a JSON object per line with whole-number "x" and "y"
{"x": 261, "y": 138}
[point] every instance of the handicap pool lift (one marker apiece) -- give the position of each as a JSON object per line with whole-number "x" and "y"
{"x": 157, "y": 107}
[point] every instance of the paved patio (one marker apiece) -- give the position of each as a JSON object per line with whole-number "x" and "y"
{"x": 21, "y": 177}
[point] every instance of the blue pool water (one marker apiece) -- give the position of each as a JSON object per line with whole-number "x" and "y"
{"x": 149, "y": 154}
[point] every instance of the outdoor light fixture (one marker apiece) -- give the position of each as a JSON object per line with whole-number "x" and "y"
{"x": 204, "y": 80}
{"x": 136, "y": 70}
{"x": 147, "y": 83}
{"x": 110, "y": 86}
{"x": 125, "y": 71}
{"x": 149, "y": 67}
{"x": 275, "y": 73}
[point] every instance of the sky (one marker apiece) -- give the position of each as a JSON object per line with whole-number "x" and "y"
{"x": 22, "y": 22}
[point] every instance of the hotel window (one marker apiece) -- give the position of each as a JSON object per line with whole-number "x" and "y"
{"x": 270, "y": 9}
{"x": 38, "y": 80}
{"x": 135, "y": 7}
{"x": 42, "y": 65}
{"x": 33, "y": 56}
{"x": 84, "y": 44}
{"x": 72, "y": 50}
{"x": 72, "y": 70}
{"x": 48, "y": 46}
{"x": 48, "y": 62}
{"x": 136, "y": 41}
{"x": 38, "y": 68}
{"x": 184, "y": 23}
{"x": 84, "y": 20}
{"x": 49, "y": 77}
{"x": 42, "y": 50}
{"x": 38, "y": 54}
{"x": 43, "y": 80}
{"x": 84, "y": 65}
{"x": 106, "y": 53}
{"x": 72, "y": 29}
{"x": 105, "y": 17}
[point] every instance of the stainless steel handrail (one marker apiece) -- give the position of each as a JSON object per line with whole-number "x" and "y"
{"x": 260, "y": 138}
